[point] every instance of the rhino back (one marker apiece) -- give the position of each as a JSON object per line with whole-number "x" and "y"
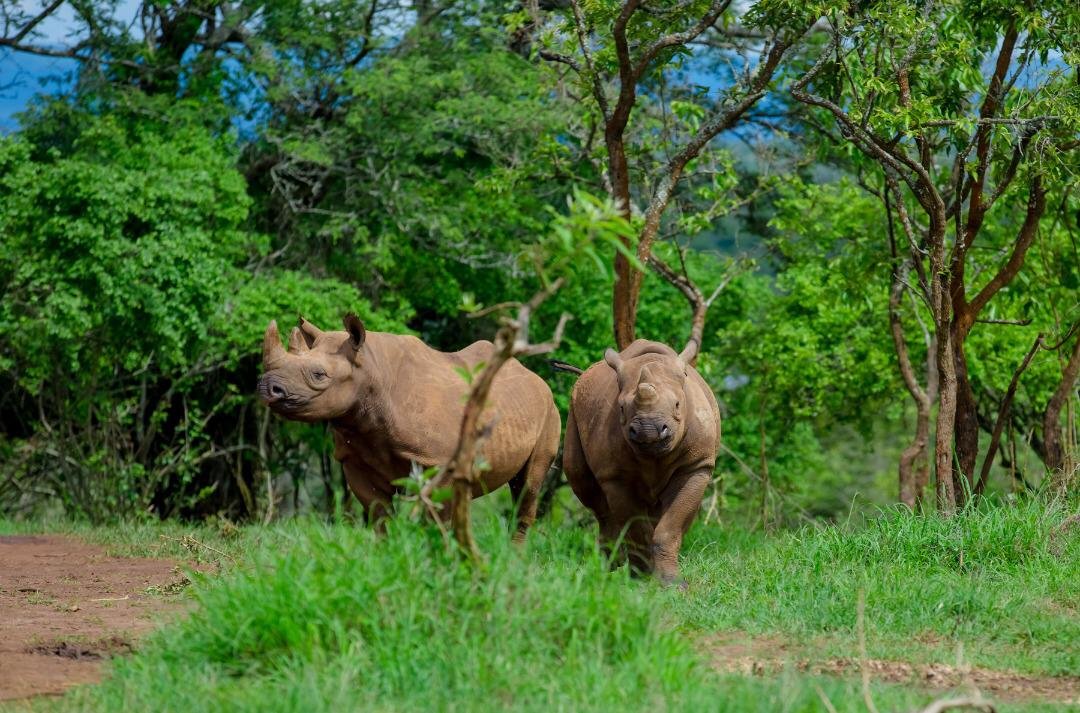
{"x": 416, "y": 415}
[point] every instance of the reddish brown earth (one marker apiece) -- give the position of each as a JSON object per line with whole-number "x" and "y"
{"x": 767, "y": 655}
{"x": 65, "y": 606}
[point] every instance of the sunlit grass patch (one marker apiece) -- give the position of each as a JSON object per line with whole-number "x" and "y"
{"x": 987, "y": 580}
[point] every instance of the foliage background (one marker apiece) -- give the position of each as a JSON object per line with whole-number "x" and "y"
{"x": 166, "y": 202}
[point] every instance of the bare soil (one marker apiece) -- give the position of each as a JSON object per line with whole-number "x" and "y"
{"x": 760, "y": 656}
{"x": 66, "y": 606}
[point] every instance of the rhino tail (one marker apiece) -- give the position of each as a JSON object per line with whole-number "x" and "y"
{"x": 563, "y": 366}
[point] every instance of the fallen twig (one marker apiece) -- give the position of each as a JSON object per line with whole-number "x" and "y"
{"x": 190, "y": 543}
{"x": 864, "y": 668}
{"x": 824, "y": 699}
{"x": 976, "y": 702}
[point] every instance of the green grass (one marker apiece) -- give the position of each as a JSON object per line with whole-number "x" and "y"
{"x": 986, "y": 581}
{"x": 329, "y": 617}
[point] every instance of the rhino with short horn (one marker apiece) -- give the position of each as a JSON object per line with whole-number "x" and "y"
{"x": 393, "y": 401}
{"x": 641, "y": 442}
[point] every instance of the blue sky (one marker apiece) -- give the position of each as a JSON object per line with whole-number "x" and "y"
{"x": 27, "y": 72}
{"x": 29, "y": 75}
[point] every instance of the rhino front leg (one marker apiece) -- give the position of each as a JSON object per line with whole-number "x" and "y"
{"x": 364, "y": 485}
{"x": 629, "y": 520}
{"x": 679, "y": 505}
{"x": 581, "y": 478}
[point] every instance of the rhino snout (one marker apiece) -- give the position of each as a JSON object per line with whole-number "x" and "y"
{"x": 648, "y": 432}
{"x": 272, "y": 390}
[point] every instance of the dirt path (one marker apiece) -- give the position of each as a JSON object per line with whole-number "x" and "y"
{"x": 66, "y": 605}
{"x": 768, "y": 655}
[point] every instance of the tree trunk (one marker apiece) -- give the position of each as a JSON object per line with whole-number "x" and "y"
{"x": 624, "y": 303}
{"x": 943, "y": 442}
{"x": 914, "y": 463}
{"x": 1056, "y": 457}
{"x": 966, "y": 435}
{"x": 922, "y": 473}
{"x": 625, "y": 291}
{"x": 911, "y": 482}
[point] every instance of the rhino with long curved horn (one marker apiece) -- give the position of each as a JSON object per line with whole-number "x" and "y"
{"x": 393, "y": 402}
{"x": 641, "y": 442}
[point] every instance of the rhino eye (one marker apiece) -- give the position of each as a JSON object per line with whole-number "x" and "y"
{"x": 318, "y": 375}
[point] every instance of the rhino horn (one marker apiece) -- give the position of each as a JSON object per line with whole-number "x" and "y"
{"x": 273, "y": 352}
{"x": 646, "y": 392}
{"x": 297, "y": 342}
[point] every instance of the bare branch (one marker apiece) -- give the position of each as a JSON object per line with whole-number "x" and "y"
{"x": 1028, "y": 231}
{"x": 561, "y": 58}
{"x": 1003, "y": 414}
{"x": 993, "y": 121}
{"x": 29, "y": 26}
{"x": 699, "y": 305}
{"x": 917, "y": 252}
{"x": 460, "y": 472}
{"x": 945, "y": 704}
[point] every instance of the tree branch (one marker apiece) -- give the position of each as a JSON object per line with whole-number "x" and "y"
{"x": 1003, "y": 414}
{"x": 29, "y": 26}
{"x": 680, "y": 38}
{"x": 561, "y": 58}
{"x": 460, "y": 473}
{"x": 1028, "y": 231}
{"x": 699, "y": 305}
{"x": 583, "y": 42}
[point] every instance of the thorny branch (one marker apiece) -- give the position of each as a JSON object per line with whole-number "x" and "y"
{"x": 461, "y": 473}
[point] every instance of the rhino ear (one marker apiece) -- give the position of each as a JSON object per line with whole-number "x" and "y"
{"x": 356, "y": 330}
{"x": 613, "y": 359}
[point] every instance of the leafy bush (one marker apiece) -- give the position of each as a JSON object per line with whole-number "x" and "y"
{"x": 132, "y": 310}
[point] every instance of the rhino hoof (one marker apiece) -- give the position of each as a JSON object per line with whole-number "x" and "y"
{"x": 678, "y": 582}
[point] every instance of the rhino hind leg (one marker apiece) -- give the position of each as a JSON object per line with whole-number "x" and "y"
{"x": 525, "y": 486}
